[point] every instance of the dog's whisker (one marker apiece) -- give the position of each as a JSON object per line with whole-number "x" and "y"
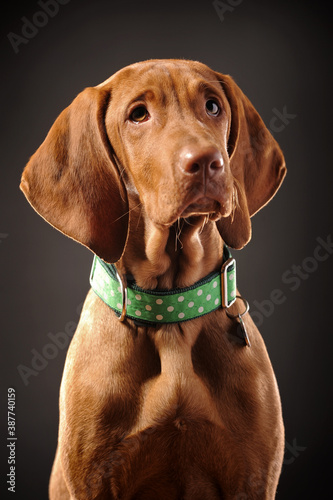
{"x": 128, "y": 212}
{"x": 204, "y": 222}
{"x": 178, "y": 233}
{"x": 139, "y": 218}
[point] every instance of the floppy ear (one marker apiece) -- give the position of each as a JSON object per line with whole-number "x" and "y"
{"x": 73, "y": 182}
{"x": 256, "y": 162}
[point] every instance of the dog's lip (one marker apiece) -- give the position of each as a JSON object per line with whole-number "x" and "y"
{"x": 202, "y": 206}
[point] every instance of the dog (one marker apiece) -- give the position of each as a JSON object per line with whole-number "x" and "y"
{"x": 168, "y": 392}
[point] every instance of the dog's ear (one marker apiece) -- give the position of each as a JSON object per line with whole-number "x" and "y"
{"x": 73, "y": 181}
{"x": 256, "y": 162}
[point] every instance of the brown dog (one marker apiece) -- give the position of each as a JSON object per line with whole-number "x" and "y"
{"x": 155, "y": 169}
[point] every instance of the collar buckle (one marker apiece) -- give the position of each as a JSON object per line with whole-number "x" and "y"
{"x": 228, "y": 282}
{"x": 123, "y": 291}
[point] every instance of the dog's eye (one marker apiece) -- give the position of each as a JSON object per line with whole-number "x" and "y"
{"x": 212, "y": 107}
{"x": 139, "y": 114}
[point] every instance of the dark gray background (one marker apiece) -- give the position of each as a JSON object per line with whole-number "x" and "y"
{"x": 279, "y": 54}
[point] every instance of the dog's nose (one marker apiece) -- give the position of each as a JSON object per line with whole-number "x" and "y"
{"x": 196, "y": 160}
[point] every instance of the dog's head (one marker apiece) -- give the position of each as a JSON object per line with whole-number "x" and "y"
{"x": 172, "y": 135}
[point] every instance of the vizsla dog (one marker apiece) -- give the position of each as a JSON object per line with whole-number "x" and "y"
{"x": 168, "y": 392}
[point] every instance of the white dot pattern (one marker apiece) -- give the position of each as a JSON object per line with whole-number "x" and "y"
{"x": 189, "y": 303}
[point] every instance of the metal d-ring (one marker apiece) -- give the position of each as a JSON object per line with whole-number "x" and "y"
{"x": 123, "y": 288}
{"x": 247, "y": 307}
{"x": 238, "y": 316}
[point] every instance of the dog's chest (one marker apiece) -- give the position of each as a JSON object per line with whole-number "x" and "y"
{"x": 177, "y": 394}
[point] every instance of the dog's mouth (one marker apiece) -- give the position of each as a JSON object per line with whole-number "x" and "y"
{"x": 202, "y": 206}
{"x": 211, "y": 205}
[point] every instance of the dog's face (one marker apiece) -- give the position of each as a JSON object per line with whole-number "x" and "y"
{"x": 172, "y": 136}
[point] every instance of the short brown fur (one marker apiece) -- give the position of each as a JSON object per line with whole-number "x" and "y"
{"x": 180, "y": 411}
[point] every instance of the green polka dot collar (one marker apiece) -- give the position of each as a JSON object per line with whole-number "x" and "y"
{"x": 216, "y": 290}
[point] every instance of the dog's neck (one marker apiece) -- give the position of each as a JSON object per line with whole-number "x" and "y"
{"x": 168, "y": 257}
